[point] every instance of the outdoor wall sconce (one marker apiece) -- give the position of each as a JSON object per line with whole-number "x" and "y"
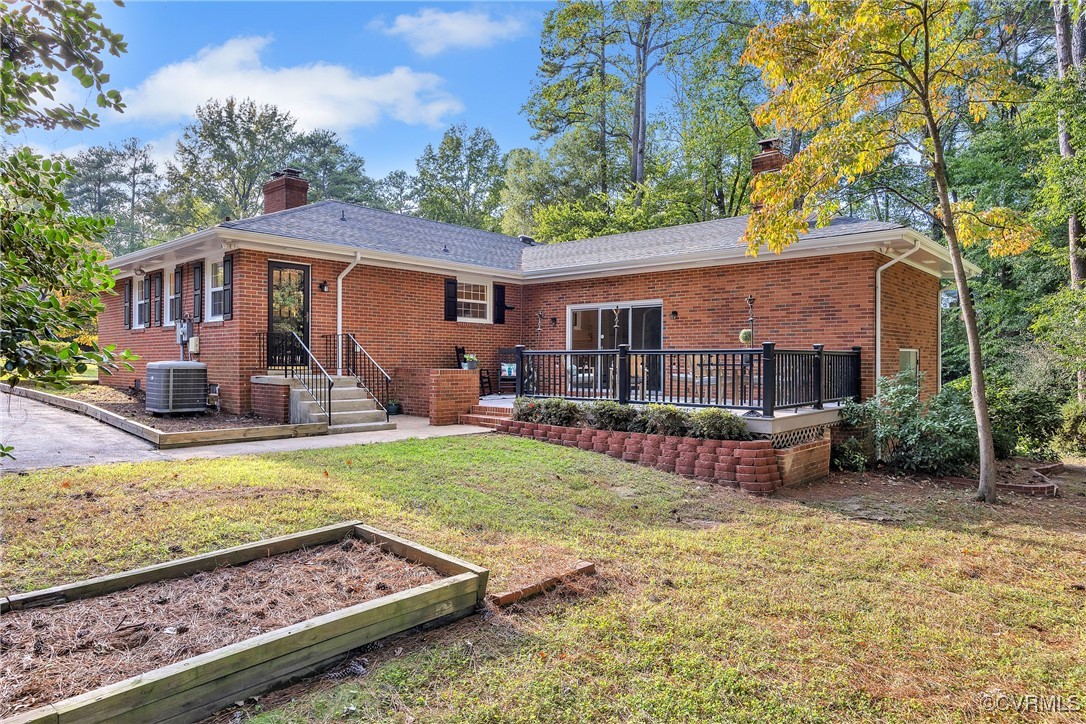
{"x": 554, "y": 321}
{"x": 674, "y": 314}
{"x": 323, "y": 286}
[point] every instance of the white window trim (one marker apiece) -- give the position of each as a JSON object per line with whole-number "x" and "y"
{"x": 167, "y": 297}
{"x": 571, "y": 308}
{"x": 208, "y": 289}
{"x": 489, "y": 299}
{"x": 136, "y": 301}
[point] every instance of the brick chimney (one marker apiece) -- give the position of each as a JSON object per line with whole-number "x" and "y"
{"x": 286, "y": 190}
{"x": 769, "y": 158}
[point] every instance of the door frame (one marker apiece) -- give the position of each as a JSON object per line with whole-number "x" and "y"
{"x": 571, "y": 308}
{"x": 307, "y": 293}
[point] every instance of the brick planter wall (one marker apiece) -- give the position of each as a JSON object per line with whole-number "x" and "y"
{"x": 411, "y": 386}
{"x": 271, "y": 401}
{"x": 453, "y": 393}
{"x": 749, "y": 465}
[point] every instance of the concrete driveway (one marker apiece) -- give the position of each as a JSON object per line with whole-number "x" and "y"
{"x": 45, "y": 436}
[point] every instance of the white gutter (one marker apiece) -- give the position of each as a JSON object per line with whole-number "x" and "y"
{"x": 339, "y": 311}
{"x": 878, "y": 305}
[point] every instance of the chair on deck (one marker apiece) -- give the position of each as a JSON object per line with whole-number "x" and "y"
{"x": 507, "y": 370}
{"x": 485, "y": 386}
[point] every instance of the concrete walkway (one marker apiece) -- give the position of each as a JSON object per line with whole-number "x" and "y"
{"x": 45, "y": 436}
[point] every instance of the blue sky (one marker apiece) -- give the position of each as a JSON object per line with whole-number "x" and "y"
{"x": 388, "y": 77}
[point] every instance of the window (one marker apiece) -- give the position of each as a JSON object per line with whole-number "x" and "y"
{"x": 143, "y": 302}
{"x": 472, "y": 302}
{"x": 215, "y": 296}
{"x": 173, "y": 296}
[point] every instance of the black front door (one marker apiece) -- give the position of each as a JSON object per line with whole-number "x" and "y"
{"x": 288, "y": 313}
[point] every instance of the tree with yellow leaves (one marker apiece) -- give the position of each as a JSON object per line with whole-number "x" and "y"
{"x": 872, "y": 80}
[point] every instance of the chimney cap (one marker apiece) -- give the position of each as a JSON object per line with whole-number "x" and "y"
{"x": 768, "y": 144}
{"x": 288, "y": 172}
{"x": 526, "y": 240}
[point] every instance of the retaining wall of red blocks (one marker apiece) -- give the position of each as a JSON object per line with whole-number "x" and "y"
{"x": 453, "y": 393}
{"x": 751, "y": 465}
{"x": 271, "y": 401}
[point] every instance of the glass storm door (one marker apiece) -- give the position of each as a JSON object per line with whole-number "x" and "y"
{"x": 288, "y": 313}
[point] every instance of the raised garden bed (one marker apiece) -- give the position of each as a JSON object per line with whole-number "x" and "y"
{"x": 178, "y": 641}
{"x": 182, "y": 431}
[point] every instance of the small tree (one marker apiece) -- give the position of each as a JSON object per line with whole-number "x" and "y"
{"x": 871, "y": 80}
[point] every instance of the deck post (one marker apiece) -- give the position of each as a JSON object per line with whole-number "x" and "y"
{"x": 623, "y": 374}
{"x": 857, "y": 380}
{"x": 769, "y": 379}
{"x": 818, "y": 375}
{"x": 519, "y": 349}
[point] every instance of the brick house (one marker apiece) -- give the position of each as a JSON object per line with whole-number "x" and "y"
{"x": 410, "y": 291}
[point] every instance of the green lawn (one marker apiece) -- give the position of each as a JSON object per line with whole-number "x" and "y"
{"x": 863, "y": 598}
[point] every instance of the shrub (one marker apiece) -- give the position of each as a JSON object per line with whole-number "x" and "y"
{"x": 525, "y": 409}
{"x": 852, "y": 455}
{"x": 610, "y": 415}
{"x": 1072, "y": 433}
{"x": 1024, "y": 420}
{"x": 557, "y": 411}
{"x": 713, "y": 423}
{"x": 666, "y": 420}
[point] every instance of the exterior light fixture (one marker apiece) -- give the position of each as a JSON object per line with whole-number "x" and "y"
{"x": 674, "y": 314}
{"x": 138, "y": 271}
{"x": 323, "y": 286}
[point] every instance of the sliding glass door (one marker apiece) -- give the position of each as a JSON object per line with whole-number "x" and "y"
{"x": 607, "y": 326}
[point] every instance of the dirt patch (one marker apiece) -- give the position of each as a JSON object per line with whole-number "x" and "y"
{"x": 53, "y": 653}
{"x": 130, "y": 404}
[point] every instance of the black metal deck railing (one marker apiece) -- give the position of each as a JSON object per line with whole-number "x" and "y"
{"x": 760, "y": 380}
{"x": 287, "y": 351}
{"x": 343, "y": 353}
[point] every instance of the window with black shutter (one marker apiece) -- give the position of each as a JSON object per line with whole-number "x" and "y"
{"x": 128, "y": 304}
{"x": 228, "y": 287}
{"x": 175, "y": 296}
{"x": 499, "y": 304}
{"x": 450, "y": 300}
{"x": 156, "y": 299}
{"x": 198, "y": 291}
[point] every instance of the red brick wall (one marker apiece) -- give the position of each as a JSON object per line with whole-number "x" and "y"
{"x": 411, "y": 386}
{"x": 805, "y": 463}
{"x": 453, "y": 392}
{"x": 798, "y": 302}
{"x": 397, "y": 315}
{"x": 272, "y": 401}
{"x": 910, "y": 320}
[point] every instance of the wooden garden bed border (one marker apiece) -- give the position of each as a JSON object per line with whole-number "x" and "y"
{"x": 197, "y": 687}
{"x": 166, "y": 440}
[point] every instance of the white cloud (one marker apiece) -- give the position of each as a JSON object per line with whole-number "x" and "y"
{"x": 318, "y": 95}
{"x": 431, "y": 31}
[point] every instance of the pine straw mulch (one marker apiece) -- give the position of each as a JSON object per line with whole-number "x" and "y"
{"x": 54, "y": 653}
{"x": 130, "y": 404}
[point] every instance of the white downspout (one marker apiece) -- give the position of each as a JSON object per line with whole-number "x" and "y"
{"x": 339, "y": 311}
{"x": 878, "y": 307}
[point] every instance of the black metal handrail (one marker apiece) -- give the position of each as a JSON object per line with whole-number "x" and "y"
{"x": 345, "y": 353}
{"x": 761, "y": 380}
{"x": 286, "y": 350}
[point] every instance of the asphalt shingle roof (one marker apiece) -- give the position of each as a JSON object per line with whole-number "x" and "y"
{"x": 358, "y": 227}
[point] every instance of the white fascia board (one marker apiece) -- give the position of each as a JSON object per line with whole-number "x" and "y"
{"x": 180, "y": 248}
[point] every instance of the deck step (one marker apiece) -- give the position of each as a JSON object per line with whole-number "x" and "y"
{"x": 491, "y": 421}
{"x": 361, "y": 427}
{"x": 492, "y": 410}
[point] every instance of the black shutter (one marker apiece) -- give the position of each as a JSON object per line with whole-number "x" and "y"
{"x": 228, "y": 287}
{"x": 178, "y": 290}
{"x": 156, "y": 299}
{"x": 198, "y": 291}
{"x": 499, "y": 304}
{"x": 128, "y": 304}
{"x": 450, "y": 300}
{"x": 146, "y": 317}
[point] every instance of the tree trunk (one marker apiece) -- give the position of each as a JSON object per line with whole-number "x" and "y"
{"x": 986, "y": 489}
{"x": 603, "y": 102}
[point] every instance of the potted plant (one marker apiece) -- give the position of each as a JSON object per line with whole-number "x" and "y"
{"x": 394, "y": 407}
{"x": 746, "y": 337}
{"x": 471, "y": 362}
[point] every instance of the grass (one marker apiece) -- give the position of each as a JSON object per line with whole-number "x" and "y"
{"x": 863, "y": 598}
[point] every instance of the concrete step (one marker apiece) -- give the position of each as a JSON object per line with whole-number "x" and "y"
{"x": 340, "y": 405}
{"x": 491, "y": 421}
{"x": 361, "y": 427}
{"x": 352, "y": 418}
